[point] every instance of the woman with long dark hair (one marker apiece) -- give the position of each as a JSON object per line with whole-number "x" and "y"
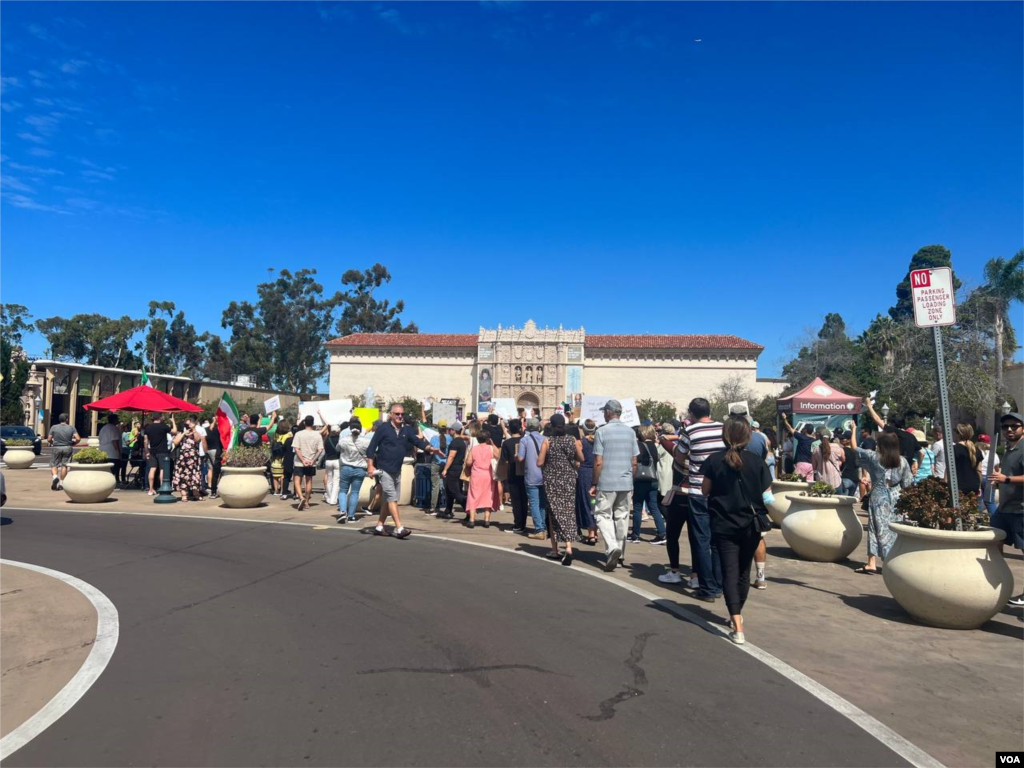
{"x": 645, "y": 485}
{"x": 827, "y": 460}
{"x": 889, "y": 473}
{"x": 452, "y": 472}
{"x": 735, "y": 481}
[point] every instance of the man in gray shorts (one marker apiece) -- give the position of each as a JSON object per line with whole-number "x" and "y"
{"x": 386, "y": 453}
{"x": 62, "y": 438}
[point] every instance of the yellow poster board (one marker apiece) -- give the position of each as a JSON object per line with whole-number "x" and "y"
{"x": 366, "y": 417}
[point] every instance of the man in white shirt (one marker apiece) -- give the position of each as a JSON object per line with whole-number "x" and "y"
{"x": 938, "y": 448}
{"x": 200, "y": 430}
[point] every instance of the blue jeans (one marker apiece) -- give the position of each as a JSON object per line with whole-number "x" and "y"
{"x": 647, "y": 491}
{"x": 348, "y": 490}
{"x": 849, "y": 487}
{"x": 703, "y": 553}
{"x": 536, "y": 503}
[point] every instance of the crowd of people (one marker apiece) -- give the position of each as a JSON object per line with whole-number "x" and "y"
{"x": 570, "y": 482}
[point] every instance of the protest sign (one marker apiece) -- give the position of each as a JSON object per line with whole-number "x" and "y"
{"x": 446, "y": 412}
{"x": 273, "y": 404}
{"x": 590, "y": 408}
{"x": 366, "y": 417}
{"x": 335, "y": 411}
{"x": 505, "y": 407}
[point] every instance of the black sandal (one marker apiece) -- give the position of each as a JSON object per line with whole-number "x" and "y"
{"x": 867, "y": 571}
{"x": 553, "y": 556}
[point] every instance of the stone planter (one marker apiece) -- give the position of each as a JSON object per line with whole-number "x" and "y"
{"x": 825, "y": 529}
{"x": 19, "y": 458}
{"x": 950, "y": 579}
{"x": 243, "y": 487}
{"x": 781, "y": 491}
{"x": 89, "y": 483}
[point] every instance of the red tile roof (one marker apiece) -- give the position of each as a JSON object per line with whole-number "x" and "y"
{"x": 668, "y": 341}
{"x": 593, "y": 341}
{"x": 405, "y": 340}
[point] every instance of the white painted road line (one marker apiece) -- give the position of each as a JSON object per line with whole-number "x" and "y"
{"x": 107, "y": 629}
{"x": 913, "y": 754}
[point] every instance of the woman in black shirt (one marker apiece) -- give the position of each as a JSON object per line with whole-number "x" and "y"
{"x": 967, "y": 457}
{"x": 734, "y": 483}
{"x": 452, "y": 473}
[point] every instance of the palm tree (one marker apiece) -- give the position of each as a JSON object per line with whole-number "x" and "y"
{"x": 1004, "y": 284}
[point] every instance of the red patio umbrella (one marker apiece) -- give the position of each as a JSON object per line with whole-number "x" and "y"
{"x": 142, "y": 398}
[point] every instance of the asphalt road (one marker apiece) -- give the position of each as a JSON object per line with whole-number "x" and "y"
{"x": 254, "y": 644}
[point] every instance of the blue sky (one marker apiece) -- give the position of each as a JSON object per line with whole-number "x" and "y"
{"x": 644, "y": 168}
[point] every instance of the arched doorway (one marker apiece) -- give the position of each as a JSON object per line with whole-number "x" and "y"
{"x": 528, "y": 400}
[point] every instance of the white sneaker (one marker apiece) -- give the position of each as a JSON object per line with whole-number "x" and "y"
{"x": 694, "y": 583}
{"x": 1017, "y": 601}
{"x": 671, "y": 577}
{"x": 737, "y": 637}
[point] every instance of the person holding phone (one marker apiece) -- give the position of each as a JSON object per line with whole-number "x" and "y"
{"x": 188, "y": 478}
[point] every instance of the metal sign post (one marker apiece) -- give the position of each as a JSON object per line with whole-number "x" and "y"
{"x": 947, "y": 443}
{"x": 934, "y": 307}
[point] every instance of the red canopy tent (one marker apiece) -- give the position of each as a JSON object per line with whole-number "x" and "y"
{"x": 819, "y": 398}
{"x": 142, "y": 398}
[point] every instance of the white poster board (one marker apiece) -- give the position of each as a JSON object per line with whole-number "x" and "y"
{"x": 446, "y": 412}
{"x": 505, "y": 407}
{"x": 591, "y": 409}
{"x": 335, "y": 411}
{"x": 271, "y": 405}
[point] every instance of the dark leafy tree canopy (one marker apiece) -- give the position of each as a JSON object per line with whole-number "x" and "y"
{"x": 15, "y": 377}
{"x": 361, "y": 312}
{"x": 14, "y": 323}
{"x": 929, "y": 257}
{"x": 94, "y": 339}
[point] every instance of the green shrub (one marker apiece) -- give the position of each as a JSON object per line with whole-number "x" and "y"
{"x": 248, "y": 457}
{"x": 927, "y": 505}
{"x": 90, "y": 456}
{"x": 792, "y": 477}
{"x": 17, "y": 442}
{"x": 819, "y": 490}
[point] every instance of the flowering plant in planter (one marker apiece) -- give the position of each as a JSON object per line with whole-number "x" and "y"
{"x": 17, "y": 443}
{"x": 927, "y": 505}
{"x": 247, "y": 457}
{"x": 819, "y": 490}
{"x": 90, "y": 456}
{"x": 792, "y": 477}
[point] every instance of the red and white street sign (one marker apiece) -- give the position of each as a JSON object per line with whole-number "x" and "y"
{"x": 934, "y": 301}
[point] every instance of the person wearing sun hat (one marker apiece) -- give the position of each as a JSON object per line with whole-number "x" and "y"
{"x": 926, "y": 463}
{"x": 1009, "y": 516}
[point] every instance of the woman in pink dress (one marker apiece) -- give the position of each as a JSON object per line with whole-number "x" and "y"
{"x": 483, "y": 487}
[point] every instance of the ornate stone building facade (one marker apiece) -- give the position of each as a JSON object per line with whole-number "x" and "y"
{"x": 542, "y": 367}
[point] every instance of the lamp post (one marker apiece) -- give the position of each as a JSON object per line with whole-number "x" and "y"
{"x": 885, "y": 411}
{"x": 1006, "y": 408}
{"x": 38, "y": 403}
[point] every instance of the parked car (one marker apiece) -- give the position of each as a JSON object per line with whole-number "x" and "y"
{"x": 20, "y": 433}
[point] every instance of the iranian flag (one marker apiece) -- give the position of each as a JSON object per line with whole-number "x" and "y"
{"x": 227, "y": 422}
{"x": 145, "y": 379}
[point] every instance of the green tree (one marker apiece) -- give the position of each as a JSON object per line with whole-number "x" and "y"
{"x": 832, "y": 355}
{"x": 15, "y": 369}
{"x": 929, "y": 257}
{"x": 13, "y": 323}
{"x": 280, "y": 339}
{"x": 1004, "y": 284}
{"x": 361, "y": 312}
{"x": 94, "y": 339}
{"x": 655, "y": 410}
{"x": 413, "y": 407}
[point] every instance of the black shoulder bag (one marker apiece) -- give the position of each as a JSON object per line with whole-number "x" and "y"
{"x": 762, "y": 523}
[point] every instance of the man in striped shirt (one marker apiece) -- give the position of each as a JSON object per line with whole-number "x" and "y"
{"x": 696, "y": 442}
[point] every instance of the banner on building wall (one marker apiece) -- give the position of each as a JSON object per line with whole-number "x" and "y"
{"x": 484, "y": 382}
{"x": 590, "y": 408}
{"x": 573, "y": 379}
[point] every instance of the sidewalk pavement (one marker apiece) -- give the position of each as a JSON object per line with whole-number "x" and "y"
{"x": 47, "y": 629}
{"x": 958, "y": 695}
